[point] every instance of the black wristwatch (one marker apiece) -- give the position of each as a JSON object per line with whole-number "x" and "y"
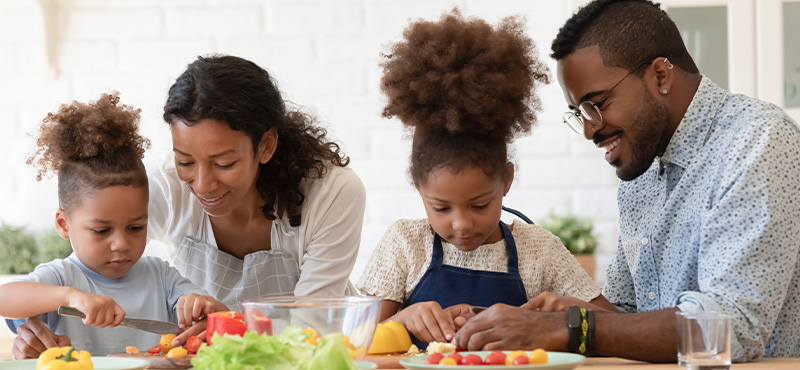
{"x": 580, "y": 324}
{"x": 574, "y": 327}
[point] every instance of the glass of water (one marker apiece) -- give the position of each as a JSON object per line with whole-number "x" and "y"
{"x": 706, "y": 340}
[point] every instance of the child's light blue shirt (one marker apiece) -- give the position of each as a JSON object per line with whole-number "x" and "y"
{"x": 150, "y": 290}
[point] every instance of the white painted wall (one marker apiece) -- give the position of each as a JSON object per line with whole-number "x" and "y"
{"x": 325, "y": 56}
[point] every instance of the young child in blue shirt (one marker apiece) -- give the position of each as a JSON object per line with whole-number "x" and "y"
{"x": 103, "y": 195}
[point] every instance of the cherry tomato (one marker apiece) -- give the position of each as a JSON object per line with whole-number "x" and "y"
{"x": 448, "y": 361}
{"x": 225, "y": 322}
{"x": 538, "y": 356}
{"x": 471, "y": 359}
{"x": 193, "y": 344}
{"x": 166, "y": 342}
{"x": 155, "y": 349}
{"x": 456, "y": 356}
{"x": 459, "y": 349}
{"x": 177, "y": 352}
{"x": 495, "y": 358}
{"x": 511, "y": 356}
{"x": 434, "y": 359}
{"x": 520, "y": 360}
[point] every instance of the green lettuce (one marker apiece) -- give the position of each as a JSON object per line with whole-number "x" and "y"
{"x": 285, "y": 351}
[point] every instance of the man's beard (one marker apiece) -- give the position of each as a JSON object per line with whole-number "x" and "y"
{"x": 645, "y": 136}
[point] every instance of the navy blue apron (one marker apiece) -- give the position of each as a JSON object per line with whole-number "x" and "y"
{"x": 450, "y": 285}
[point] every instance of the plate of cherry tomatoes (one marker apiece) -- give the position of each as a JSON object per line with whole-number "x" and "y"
{"x": 537, "y": 359}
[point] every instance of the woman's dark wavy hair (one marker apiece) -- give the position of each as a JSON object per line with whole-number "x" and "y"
{"x": 91, "y": 146}
{"x": 627, "y": 32}
{"x": 243, "y": 95}
{"x": 466, "y": 88}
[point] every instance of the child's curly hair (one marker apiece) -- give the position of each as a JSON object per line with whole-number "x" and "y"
{"x": 465, "y": 87}
{"x": 91, "y": 146}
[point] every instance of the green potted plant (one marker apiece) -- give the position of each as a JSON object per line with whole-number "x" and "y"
{"x": 575, "y": 233}
{"x": 22, "y": 250}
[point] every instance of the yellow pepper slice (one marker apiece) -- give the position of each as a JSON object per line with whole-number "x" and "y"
{"x": 64, "y": 358}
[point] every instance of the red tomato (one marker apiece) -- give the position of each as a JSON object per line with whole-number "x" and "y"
{"x": 459, "y": 349}
{"x": 434, "y": 359}
{"x": 258, "y": 322}
{"x": 456, "y": 356}
{"x": 495, "y": 358}
{"x": 471, "y": 359}
{"x": 225, "y": 322}
{"x": 193, "y": 344}
{"x": 155, "y": 349}
{"x": 521, "y": 360}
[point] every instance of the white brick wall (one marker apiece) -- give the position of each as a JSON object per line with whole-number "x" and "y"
{"x": 324, "y": 55}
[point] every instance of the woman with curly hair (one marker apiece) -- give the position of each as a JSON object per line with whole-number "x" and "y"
{"x": 466, "y": 89}
{"x": 255, "y": 201}
{"x": 103, "y": 197}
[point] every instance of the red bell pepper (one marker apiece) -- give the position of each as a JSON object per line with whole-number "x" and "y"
{"x": 225, "y": 322}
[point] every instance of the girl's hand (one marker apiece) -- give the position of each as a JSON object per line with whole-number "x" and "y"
{"x": 191, "y": 307}
{"x": 427, "y": 321}
{"x": 100, "y": 311}
{"x": 553, "y": 302}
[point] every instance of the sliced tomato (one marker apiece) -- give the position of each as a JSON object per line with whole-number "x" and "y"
{"x": 193, "y": 344}
{"x": 155, "y": 349}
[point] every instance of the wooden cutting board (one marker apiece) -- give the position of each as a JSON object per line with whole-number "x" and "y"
{"x": 386, "y": 361}
{"x": 160, "y": 361}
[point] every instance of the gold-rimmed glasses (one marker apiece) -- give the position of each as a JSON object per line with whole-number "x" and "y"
{"x": 589, "y": 111}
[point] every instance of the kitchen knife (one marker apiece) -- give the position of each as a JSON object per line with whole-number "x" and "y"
{"x": 153, "y": 326}
{"x": 478, "y": 309}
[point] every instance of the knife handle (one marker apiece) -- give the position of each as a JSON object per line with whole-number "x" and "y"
{"x": 70, "y": 312}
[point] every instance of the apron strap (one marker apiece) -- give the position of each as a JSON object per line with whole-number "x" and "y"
{"x": 511, "y": 250}
{"x": 518, "y": 214}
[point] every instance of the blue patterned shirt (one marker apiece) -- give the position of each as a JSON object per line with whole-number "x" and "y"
{"x": 714, "y": 224}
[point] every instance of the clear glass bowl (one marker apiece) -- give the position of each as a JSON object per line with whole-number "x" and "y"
{"x": 355, "y": 317}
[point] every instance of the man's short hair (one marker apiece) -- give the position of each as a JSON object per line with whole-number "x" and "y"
{"x": 627, "y": 32}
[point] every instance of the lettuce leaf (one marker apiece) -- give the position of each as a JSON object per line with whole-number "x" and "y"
{"x": 285, "y": 351}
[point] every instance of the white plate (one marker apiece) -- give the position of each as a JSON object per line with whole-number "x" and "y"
{"x": 365, "y": 365}
{"x": 555, "y": 361}
{"x": 100, "y": 363}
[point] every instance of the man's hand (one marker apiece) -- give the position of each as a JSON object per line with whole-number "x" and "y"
{"x": 33, "y": 338}
{"x": 504, "y": 327}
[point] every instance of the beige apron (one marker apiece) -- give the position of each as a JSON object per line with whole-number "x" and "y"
{"x": 232, "y": 280}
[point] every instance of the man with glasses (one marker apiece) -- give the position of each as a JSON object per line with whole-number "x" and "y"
{"x": 709, "y": 199}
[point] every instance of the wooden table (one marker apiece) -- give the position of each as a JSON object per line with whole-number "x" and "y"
{"x": 614, "y": 363}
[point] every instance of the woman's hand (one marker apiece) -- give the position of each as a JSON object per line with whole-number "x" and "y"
{"x": 33, "y": 338}
{"x": 198, "y": 330}
{"x": 100, "y": 311}
{"x": 427, "y": 321}
{"x": 191, "y": 307}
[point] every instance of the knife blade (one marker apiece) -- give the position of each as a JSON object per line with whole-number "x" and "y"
{"x": 152, "y": 326}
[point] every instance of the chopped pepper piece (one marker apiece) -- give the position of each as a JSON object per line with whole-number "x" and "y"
{"x": 64, "y": 358}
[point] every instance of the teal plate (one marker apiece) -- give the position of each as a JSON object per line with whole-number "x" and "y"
{"x": 555, "y": 361}
{"x": 365, "y": 365}
{"x": 100, "y": 363}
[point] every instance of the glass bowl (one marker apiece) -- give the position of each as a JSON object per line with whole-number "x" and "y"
{"x": 355, "y": 317}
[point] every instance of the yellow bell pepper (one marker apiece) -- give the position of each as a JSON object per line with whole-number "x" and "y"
{"x": 390, "y": 337}
{"x": 64, "y": 358}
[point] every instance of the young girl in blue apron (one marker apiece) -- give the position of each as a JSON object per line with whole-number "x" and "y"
{"x": 466, "y": 89}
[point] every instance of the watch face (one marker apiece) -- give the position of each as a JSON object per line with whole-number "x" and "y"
{"x": 574, "y": 317}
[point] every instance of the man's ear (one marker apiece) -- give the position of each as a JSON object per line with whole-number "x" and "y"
{"x": 508, "y": 179}
{"x": 665, "y": 75}
{"x": 62, "y": 227}
{"x": 267, "y": 146}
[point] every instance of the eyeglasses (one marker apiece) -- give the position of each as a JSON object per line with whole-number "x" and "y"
{"x": 589, "y": 112}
